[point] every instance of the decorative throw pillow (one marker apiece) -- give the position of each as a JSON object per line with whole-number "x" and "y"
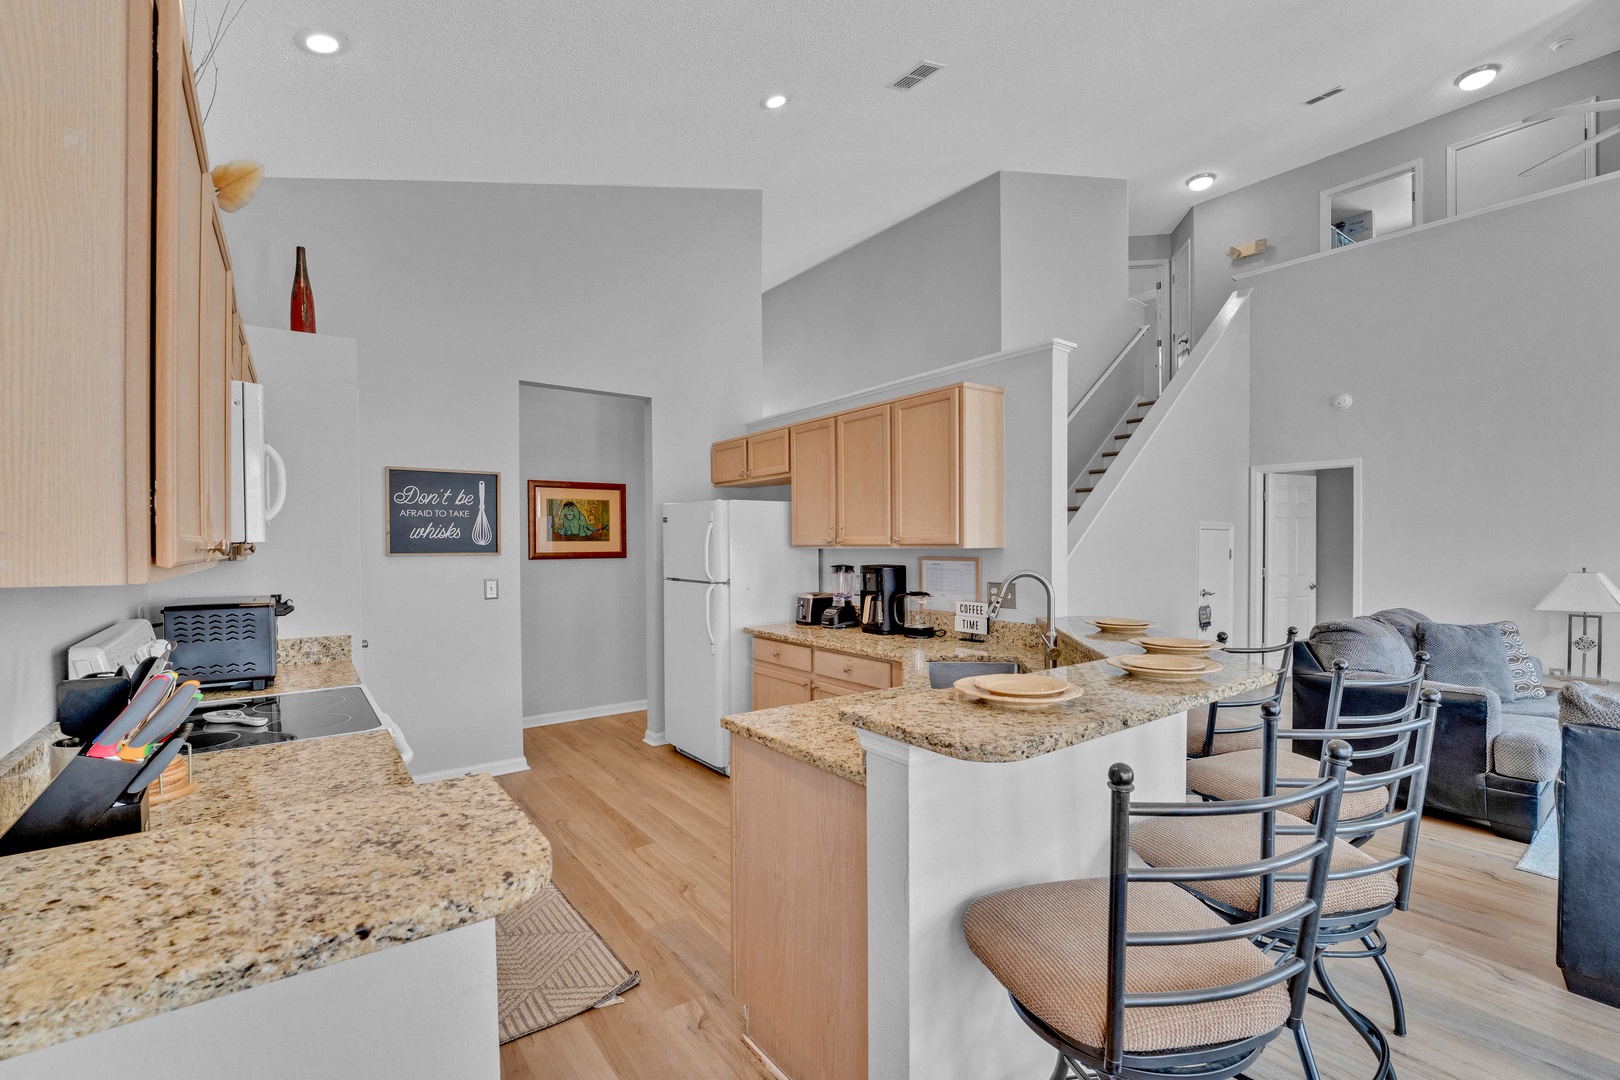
{"x": 1526, "y": 675}
{"x": 1366, "y": 645}
{"x": 1579, "y": 703}
{"x": 1404, "y": 621}
{"x": 1467, "y": 656}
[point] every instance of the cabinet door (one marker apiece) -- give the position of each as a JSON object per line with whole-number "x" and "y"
{"x": 773, "y": 687}
{"x": 926, "y": 469}
{"x": 814, "y": 490}
{"x": 863, "y": 478}
{"x": 180, "y": 477}
{"x": 214, "y": 342}
{"x": 728, "y": 461}
{"x": 768, "y": 455}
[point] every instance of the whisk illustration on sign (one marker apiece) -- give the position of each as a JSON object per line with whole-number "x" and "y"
{"x": 481, "y": 534}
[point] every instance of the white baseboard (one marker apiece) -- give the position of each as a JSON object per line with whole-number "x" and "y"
{"x": 568, "y": 716}
{"x": 655, "y": 738}
{"x": 493, "y": 768}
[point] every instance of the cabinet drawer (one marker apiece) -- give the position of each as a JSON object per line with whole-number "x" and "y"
{"x": 782, "y": 654}
{"x": 860, "y": 670}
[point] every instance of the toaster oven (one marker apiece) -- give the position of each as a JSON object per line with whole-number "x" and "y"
{"x": 225, "y": 642}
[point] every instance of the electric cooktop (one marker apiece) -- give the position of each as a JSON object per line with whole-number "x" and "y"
{"x": 274, "y": 718}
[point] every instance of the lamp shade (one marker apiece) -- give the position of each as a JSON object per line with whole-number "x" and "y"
{"x": 1582, "y": 592}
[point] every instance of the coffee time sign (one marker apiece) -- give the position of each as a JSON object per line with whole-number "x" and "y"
{"x": 443, "y": 512}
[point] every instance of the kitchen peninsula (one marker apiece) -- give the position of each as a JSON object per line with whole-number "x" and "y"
{"x": 880, "y": 816}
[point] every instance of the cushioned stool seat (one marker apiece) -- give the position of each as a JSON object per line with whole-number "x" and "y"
{"x": 1048, "y": 945}
{"x": 1226, "y": 742}
{"x": 1237, "y": 776}
{"x": 1233, "y": 841}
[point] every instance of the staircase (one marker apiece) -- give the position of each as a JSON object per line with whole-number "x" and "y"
{"x": 1105, "y": 455}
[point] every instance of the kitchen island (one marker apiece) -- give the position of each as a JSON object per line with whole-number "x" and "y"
{"x": 308, "y": 912}
{"x": 881, "y": 816}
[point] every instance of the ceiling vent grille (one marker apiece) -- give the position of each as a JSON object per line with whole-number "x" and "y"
{"x": 915, "y": 76}
{"x": 1325, "y": 96}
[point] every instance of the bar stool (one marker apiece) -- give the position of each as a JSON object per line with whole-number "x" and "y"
{"x": 1130, "y": 976}
{"x": 1213, "y": 737}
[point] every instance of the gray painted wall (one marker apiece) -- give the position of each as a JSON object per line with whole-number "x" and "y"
{"x": 1335, "y": 545}
{"x": 1484, "y": 391}
{"x": 571, "y": 606}
{"x": 1286, "y": 208}
{"x": 1149, "y": 248}
{"x": 458, "y": 292}
{"x": 312, "y": 554}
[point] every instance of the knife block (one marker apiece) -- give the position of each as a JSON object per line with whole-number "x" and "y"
{"x": 85, "y": 802}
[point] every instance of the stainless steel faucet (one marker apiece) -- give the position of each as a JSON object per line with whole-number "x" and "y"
{"x": 1049, "y": 635}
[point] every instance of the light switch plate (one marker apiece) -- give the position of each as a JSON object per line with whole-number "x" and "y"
{"x": 491, "y": 589}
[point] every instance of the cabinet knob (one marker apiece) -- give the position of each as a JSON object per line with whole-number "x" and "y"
{"x": 848, "y": 668}
{"x": 776, "y": 652}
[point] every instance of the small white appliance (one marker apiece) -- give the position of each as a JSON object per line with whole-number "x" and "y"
{"x": 251, "y": 457}
{"x": 727, "y": 564}
{"x": 123, "y": 644}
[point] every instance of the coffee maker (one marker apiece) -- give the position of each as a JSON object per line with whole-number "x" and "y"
{"x": 882, "y": 587}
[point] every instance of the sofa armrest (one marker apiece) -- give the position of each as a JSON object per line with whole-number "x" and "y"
{"x": 1472, "y": 700}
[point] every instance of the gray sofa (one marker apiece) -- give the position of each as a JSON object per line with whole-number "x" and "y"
{"x": 1496, "y": 747}
{"x": 1589, "y": 843}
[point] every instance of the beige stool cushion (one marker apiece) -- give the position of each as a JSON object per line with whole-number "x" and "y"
{"x": 1237, "y": 776}
{"x": 1234, "y": 840}
{"x": 1048, "y": 945}
{"x": 1224, "y": 743}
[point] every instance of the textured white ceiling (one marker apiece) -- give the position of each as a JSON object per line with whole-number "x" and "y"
{"x": 667, "y": 92}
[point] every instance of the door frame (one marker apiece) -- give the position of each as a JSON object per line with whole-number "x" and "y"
{"x": 1163, "y": 329}
{"x": 1171, "y": 366}
{"x": 1231, "y": 530}
{"x": 1325, "y": 203}
{"x": 1452, "y": 150}
{"x": 1257, "y": 534}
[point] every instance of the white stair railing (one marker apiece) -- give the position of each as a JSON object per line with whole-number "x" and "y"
{"x": 1094, "y": 417}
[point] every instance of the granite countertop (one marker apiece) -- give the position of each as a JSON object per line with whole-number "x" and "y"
{"x": 822, "y": 733}
{"x": 288, "y": 858}
{"x": 306, "y": 663}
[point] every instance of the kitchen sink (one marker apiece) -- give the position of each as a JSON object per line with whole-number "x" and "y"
{"x": 942, "y": 674}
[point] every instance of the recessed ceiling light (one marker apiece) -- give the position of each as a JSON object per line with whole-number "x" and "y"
{"x": 321, "y": 42}
{"x": 1561, "y": 44}
{"x": 1476, "y": 78}
{"x": 775, "y": 101}
{"x": 1202, "y": 182}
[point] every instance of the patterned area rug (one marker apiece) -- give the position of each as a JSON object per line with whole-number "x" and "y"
{"x": 550, "y": 965}
{"x": 1541, "y": 857}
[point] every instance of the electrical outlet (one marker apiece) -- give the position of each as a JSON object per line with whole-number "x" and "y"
{"x": 491, "y": 589}
{"x": 1007, "y": 593}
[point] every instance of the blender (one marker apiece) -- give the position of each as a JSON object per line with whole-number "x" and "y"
{"x": 842, "y": 613}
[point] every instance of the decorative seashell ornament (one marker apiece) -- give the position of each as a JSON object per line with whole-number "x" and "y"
{"x": 235, "y": 182}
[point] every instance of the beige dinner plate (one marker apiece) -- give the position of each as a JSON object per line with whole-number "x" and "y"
{"x": 1167, "y": 668}
{"x": 1023, "y": 686}
{"x": 1176, "y": 646}
{"x": 1119, "y": 625}
{"x": 966, "y": 688}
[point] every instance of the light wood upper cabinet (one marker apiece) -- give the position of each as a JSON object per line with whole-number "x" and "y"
{"x": 728, "y": 462}
{"x": 815, "y": 483}
{"x": 863, "y": 477}
{"x": 947, "y": 468}
{"x": 752, "y": 461}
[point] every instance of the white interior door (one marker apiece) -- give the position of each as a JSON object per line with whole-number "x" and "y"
{"x": 1215, "y": 577}
{"x": 1290, "y": 555}
{"x": 1486, "y": 172}
{"x": 1180, "y": 307}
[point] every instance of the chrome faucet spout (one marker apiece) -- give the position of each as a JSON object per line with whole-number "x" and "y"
{"x": 1049, "y": 634}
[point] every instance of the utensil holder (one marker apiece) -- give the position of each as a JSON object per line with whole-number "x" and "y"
{"x": 85, "y": 802}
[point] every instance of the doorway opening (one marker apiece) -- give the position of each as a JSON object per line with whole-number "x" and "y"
{"x": 1180, "y": 307}
{"x": 1518, "y": 160}
{"x": 1382, "y": 204}
{"x": 1217, "y": 604}
{"x": 1306, "y": 568}
{"x": 1149, "y": 281}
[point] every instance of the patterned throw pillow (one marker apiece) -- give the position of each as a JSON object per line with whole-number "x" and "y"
{"x": 1526, "y": 677}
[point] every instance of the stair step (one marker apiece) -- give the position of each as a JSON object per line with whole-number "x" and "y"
{"x": 1124, "y": 436}
{"x": 1097, "y": 472}
{"x": 1082, "y": 491}
{"x": 1147, "y": 404}
{"x": 1134, "y": 420}
{"x": 1110, "y": 453}
{"x": 1073, "y": 509}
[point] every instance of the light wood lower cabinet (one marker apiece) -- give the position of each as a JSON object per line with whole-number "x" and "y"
{"x": 779, "y": 686}
{"x": 786, "y": 674}
{"x": 798, "y": 912}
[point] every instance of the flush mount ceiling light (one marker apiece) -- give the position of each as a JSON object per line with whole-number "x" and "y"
{"x": 1478, "y": 78}
{"x": 321, "y": 42}
{"x": 775, "y": 101}
{"x": 1202, "y": 182}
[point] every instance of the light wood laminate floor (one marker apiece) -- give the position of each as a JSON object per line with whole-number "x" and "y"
{"x": 641, "y": 839}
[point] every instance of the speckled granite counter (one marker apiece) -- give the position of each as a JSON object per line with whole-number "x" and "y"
{"x": 307, "y": 663}
{"x": 287, "y": 859}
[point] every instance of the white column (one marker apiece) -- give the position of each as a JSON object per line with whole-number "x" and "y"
{"x": 941, "y": 832}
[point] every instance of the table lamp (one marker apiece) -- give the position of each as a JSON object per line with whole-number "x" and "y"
{"x": 1587, "y": 597}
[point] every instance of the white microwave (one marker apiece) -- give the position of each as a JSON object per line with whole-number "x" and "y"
{"x": 251, "y": 458}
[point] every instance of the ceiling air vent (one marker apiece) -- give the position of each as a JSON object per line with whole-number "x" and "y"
{"x": 1325, "y": 96}
{"x": 915, "y": 76}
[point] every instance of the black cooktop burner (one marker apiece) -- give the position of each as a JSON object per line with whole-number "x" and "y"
{"x": 255, "y": 721}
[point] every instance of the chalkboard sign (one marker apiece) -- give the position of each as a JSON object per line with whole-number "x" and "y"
{"x": 443, "y": 512}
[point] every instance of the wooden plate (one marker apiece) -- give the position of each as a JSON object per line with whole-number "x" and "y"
{"x": 966, "y": 688}
{"x": 1176, "y": 646}
{"x": 1020, "y": 686}
{"x": 1120, "y": 625}
{"x": 1166, "y": 668}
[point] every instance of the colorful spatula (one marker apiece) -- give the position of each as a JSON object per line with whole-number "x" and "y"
{"x": 145, "y": 702}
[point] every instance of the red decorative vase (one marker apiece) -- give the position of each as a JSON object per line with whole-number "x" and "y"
{"x": 303, "y": 301}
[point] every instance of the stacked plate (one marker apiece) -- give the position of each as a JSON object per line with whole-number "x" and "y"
{"x": 1111, "y": 625}
{"x": 1017, "y": 691}
{"x": 1165, "y": 667}
{"x": 1176, "y": 646}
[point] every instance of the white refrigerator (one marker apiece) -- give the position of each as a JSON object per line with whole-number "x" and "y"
{"x": 727, "y": 564}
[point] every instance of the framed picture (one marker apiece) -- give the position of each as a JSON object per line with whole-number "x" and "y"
{"x": 442, "y": 512}
{"x": 948, "y": 580}
{"x": 576, "y": 520}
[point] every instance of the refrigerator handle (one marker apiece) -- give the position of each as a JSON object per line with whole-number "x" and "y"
{"x": 708, "y": 621}
{"x": 708, "y": 572}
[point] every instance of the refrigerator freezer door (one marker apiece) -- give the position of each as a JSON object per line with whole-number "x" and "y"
{"x": 696, "y": 547}
{"x": 697, "y": 675}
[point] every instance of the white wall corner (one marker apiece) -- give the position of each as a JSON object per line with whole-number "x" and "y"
{"x": 491, "y": 768}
